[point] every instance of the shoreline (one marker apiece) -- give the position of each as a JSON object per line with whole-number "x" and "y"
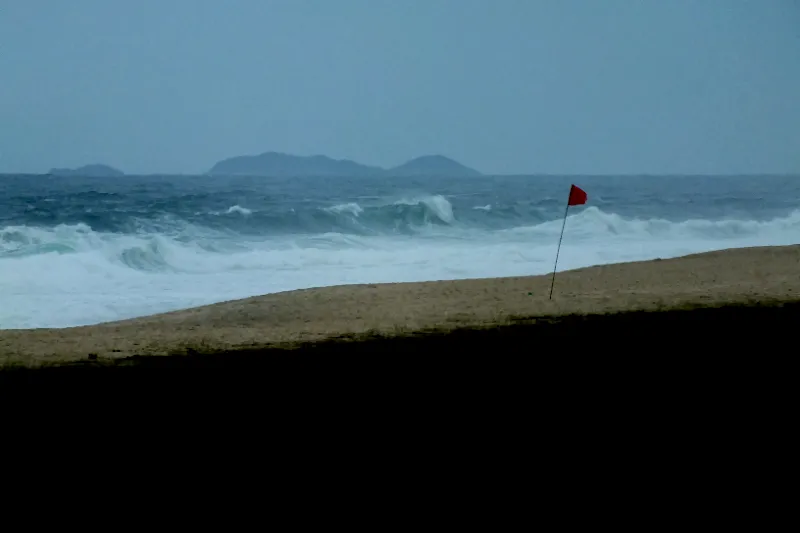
{"x": 709, "y": 296}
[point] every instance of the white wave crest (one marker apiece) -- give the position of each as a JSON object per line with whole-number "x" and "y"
{"x": 238, "y": 209}
{"x": 234, "y": 209}
{"x": 593, "y": 223}
{"x": 351, "y": 208}
{"x": 437, "y": 205}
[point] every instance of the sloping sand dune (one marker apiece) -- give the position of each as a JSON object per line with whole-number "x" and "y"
{"x": 768, "y": 274}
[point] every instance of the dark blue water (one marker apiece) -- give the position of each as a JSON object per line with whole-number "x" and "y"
{"x": 281, "y": 206}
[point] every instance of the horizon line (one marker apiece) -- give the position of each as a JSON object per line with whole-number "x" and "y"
{"x": 482, "y": 175}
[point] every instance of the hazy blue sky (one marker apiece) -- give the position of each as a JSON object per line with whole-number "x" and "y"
{"x": 506, "y": 86}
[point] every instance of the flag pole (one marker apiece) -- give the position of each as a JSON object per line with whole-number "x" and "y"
{"x": 558, "y": 250}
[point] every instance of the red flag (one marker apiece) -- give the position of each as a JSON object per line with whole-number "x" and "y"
{"x": 577, "y": 196}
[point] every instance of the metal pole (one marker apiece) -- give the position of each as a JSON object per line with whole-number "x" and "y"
{"x": 559, "y": 249}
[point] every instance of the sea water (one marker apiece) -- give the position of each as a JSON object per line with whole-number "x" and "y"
{"x": 76, "y": 251}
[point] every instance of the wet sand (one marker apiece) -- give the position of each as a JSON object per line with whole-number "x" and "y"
{"x": 723, "y": 290}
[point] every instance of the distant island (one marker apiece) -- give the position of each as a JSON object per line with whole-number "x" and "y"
{"x": 88, "y": 171}
{"x": 433, "y": 165}
{"x": 276, "y": 164}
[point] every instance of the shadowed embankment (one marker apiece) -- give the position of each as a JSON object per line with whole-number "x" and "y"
{"x": 713, "y": 305}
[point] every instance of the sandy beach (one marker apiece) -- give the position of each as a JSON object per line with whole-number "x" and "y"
{"x": 767, "y": 277}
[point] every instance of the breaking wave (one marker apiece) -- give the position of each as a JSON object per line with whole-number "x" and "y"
{"x": 190, "y": 248}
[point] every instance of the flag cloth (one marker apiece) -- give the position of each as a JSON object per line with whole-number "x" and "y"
{"x": 577, "y": 196}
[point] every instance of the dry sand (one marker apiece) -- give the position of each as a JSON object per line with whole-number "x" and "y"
{"x": 751, "y": 275}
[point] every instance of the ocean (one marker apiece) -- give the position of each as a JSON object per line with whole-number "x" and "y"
{"x": 77, "y": 251}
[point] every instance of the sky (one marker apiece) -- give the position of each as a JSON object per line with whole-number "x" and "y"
{"x": 504, "y": 86}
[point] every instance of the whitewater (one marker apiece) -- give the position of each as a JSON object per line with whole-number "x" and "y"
{"x": 77, "y": 251}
